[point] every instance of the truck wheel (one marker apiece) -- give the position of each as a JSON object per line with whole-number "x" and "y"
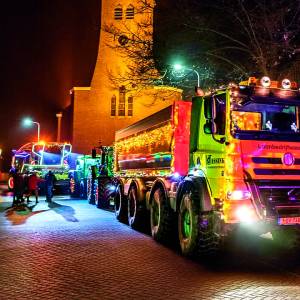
{"x": 188, "y": 225}
{"x": 134, "y": 211}
{"x": 161, "y": 217}
{"x": 104, "y": 185}
{"x": 120, "y": 207}
{"x": 210, "y": 237}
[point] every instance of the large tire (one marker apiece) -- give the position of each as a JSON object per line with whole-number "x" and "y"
{"x": 210, "y": 234}
{"x": 120, "y": 205}
{"x": 104, "y": 192}
{"x": 161, "y": 217}
{"x": 133, "y": 211}
{"x": 199, "y": 233}
{"x": 188, "y": 216}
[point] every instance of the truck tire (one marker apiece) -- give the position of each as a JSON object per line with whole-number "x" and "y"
{"x": 188, "y": 216}
{"x": 133, "y": 211}
{"x": 199, "y": 233}
{"x": 104, "y": 193}
{"x": 120, "y": 205}
{"x": 210, "y": 237}
{"x": 161, "y": 217}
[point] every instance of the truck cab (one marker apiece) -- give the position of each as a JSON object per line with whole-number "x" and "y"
{"x": 246, "y": 143}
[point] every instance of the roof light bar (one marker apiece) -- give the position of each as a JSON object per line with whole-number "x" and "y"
{"x": 265, "y": 81}
{"x": 286, "y": 83}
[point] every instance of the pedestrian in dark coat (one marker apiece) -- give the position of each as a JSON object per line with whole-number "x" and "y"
{"x": 49, "y": 183}
{"x": 19, "y": 188}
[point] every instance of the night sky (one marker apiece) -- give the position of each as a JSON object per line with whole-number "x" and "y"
{"x": 47, "y": 47}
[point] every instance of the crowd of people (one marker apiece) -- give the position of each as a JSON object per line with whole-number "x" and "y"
{"x": 26, "y": 185}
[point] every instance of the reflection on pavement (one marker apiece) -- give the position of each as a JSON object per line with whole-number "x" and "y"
{"x": 19, "y": 215}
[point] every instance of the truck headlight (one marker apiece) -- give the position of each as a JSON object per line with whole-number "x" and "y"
{"x": 245, "y": 214}
{"x": 238, "y": 195}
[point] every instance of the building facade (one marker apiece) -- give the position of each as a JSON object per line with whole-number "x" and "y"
{"x": 110, "y": 104}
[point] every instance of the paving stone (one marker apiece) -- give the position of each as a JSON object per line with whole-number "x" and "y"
{"x": 72, "y": 250}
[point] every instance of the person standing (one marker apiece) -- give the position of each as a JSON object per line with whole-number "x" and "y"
{"x": 33, "y": 189}
{"x": 49, "y": 183}
{"x": 18, "y": 188}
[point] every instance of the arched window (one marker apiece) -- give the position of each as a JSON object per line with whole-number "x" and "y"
{"x": 130, "y": 106}
{"x": 113, "y": 106}
{"x": 121, "y": 106}
{"x": 130, "y": 12}
{"x": 118, "y": 13}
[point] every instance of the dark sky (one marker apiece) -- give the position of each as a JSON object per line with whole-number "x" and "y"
{"x": 47, "y": 47}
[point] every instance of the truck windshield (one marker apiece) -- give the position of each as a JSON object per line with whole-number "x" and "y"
{"x": 266, "y": 121}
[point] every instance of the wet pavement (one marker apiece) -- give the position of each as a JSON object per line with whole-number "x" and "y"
{"x": 72, "y": 250}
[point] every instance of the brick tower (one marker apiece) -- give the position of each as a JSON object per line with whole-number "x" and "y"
{"x": 108, "y": 105}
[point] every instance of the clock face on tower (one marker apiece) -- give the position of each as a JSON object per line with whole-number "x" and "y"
{"x": 123, "y": 40}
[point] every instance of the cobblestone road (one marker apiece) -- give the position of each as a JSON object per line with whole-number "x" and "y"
{"x": 72, "y": 250}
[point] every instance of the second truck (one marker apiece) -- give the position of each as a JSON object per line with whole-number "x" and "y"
{"x": 202, "y": 169}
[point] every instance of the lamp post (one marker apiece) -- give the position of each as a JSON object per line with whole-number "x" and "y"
{"x": 27, "y": 122}
{"x": 59, "y": 116}
{"x": 179, "y": 67}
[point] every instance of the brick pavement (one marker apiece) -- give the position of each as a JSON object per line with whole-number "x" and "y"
{"x": 74, "y": 251}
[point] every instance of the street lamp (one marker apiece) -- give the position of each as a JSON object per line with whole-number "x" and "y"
{"x": 27, "y": 122}
{"x": 179, "y": 67}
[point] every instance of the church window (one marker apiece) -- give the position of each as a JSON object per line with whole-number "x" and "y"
{"x": 118, "y": 13}
{"x": 130, "y": 106}
{"x": 121, "y": 107}
{"x": 130, "y": 12}
{"x": 113, "y": 106}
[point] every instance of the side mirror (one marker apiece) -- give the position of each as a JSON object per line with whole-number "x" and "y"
{"x": 210, "y": 108}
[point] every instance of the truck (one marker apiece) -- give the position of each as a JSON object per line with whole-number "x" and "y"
{"x": 83, "y": 179}
{"x": 200, "y": 171}
{"x": 40, "y": 157}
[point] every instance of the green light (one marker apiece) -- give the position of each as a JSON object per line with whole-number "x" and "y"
{"x": 178, "y": 67}
{"x": 27, "y": 122}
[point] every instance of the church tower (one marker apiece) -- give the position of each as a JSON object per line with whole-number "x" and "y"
{"x": 110, "y": 103}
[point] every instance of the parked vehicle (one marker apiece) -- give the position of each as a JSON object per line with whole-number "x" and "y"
{"x": 204, "y": 169}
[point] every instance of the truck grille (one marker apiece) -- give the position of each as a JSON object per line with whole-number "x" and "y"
{"x": 280, "y": 198}
{"x": 276, "y": 171}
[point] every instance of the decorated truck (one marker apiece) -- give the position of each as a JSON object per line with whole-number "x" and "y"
{"x": 89, "y": 170}
{"x": 203, "y": 169}
{"x": 40, "y": 157}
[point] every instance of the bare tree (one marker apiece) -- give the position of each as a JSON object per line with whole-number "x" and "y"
{"x": 135, "y": 44}
{"x": 224, "y": 40}
{"x": 251, "y": 36}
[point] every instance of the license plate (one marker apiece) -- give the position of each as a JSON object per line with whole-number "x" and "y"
{"x": 289, "y": 220}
